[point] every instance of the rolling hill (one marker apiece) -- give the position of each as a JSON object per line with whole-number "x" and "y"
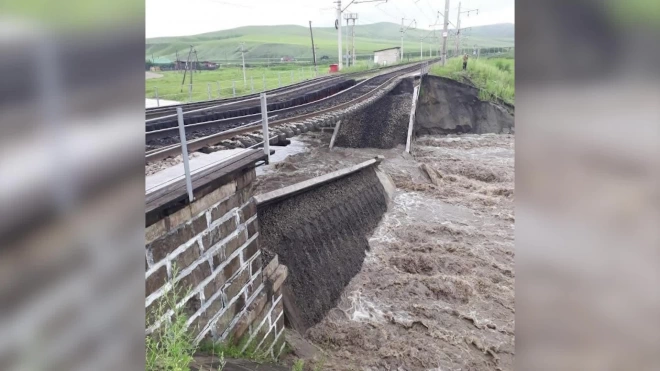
{"x": 263, "y": 42}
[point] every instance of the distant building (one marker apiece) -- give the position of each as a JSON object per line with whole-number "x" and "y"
{"x": 387, "y": 56}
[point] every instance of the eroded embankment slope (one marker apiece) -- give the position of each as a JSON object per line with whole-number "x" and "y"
{"x": 446, "y": 106}
{"x": 384, "y": 124}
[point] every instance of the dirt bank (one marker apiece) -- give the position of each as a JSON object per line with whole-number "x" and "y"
{"x": 436, "y": 287}
{"x": 447, "y": 106}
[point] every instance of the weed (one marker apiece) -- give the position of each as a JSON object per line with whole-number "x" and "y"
{"x": 298, "y": 365}
{"x": 494, "y": 77}
{"x": 231, "y": 350}
{"x": 171, "y": 346}
{"x": 319, "y": 365}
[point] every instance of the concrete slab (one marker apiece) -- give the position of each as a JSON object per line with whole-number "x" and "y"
{"x": 150, "y": 102}
{"x": 176, "y": 172}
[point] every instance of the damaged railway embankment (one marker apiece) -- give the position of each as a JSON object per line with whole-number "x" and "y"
{"x": 319, "y": 229}
{"x": 446, "y": 106}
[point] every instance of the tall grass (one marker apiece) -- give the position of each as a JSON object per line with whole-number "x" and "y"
{"x": 169, "y": 86}
{"x": 494, "y": 77}
{"x": 171, "y": 346}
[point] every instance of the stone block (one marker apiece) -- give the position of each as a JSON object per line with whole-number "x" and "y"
{"x": 194, "y": 278}
{"x": 187, "y": 256}
{"x": 246, "y": 320}
{"x": 212, "y": 198}
{"x": 222, "y": 323}
{"x": 224, "y": 207}
{"x": 237, "y": 284}
{"x": 156, "y": 280}
{"x": 219, "y": 233}
{"x": 255, "y": 266}
{"x": 155, "y": 231}
{"x": 229, "y": 270}
{"x": 235, "y": 243}
{"x": 164, "y": 245}
{"x": 248, "y": 210}
{"x": 215, "y": 307}
{"x": 253, "y": 228}
{"x": 262, "y": 315}
{"x": 250, "y": 250}
{"x": 214, "y": 285}
{"x": 179, "y": 217}
{"x": 271, "y": 266}
{"x": 254, "y": 284}
{"x": 245, "y": 179}
{"x": 279, "y": 276}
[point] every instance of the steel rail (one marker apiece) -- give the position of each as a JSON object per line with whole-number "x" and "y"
{"x": 298, "y": 85}
{"x": 245, "y": 100}
{"x": 169, "y": 132}
{"x": 200, "y": 143}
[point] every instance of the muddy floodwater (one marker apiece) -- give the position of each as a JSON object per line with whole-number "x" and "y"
{"x": 436, "y": 289}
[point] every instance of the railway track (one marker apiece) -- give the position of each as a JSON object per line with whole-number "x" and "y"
{"x": 283, "y": 99}
{"x": 158, "y": 112}
{"x": 165, "y": 143}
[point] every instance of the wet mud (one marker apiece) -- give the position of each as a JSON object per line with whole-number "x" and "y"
{"x": 436, "y": 288}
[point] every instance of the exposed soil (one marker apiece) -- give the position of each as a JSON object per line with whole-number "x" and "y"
{"x": 446, "y": 106}
{"x": 436, "y": 289}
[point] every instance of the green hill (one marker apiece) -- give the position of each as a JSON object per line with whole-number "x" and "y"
{"x": 263, "y": 42}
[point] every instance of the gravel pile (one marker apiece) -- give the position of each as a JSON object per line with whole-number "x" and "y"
{"x": 383, "y": 124}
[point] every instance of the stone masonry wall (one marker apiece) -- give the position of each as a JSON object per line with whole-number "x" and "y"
{"x": 209, "y": 249}
{"x": 321, "y": 235}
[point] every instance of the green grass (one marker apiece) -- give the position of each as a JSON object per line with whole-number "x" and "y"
{"x": 169, "y": 86}
{"x": 263, "y": 42}
{"x": 495, "y": 77}
{"x": 171, "y": 346}
{"x": 298, "y": 365}
{"x": 230, "y": 350}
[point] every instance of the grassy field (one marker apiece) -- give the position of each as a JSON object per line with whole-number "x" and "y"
{"x": 169, "y": 86}
{"x": 263, "y": 42}
{"x": 494, "y": 76}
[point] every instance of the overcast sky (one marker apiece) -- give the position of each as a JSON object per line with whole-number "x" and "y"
{"x": 190, "y": 17}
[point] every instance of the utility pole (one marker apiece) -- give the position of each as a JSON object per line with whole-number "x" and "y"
{"x": 445, "y": 31}
{"x": 421, "y": 48}
{"x": 338, "y": 27}
{"x": 349, "y": 17}
{"x": 353, "y": 36}
{"x": 403, "y": 30}
{"x": 313, "y": 49}
{"x": 458, "y": 25}
{"x": 186, "y": 68}
{"x": 346, "y": 54}
{"x": 243, "y": 56}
